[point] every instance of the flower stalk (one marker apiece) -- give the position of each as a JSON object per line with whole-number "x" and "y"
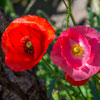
{"x": 57, "y": 78}
{"x": 69, "y": 13}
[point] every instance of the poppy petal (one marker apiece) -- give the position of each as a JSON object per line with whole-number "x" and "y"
{"x": 73, "y": 82}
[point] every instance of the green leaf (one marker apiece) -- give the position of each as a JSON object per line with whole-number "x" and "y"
{"x": 98, "y": 20}
{"x": 8, "y": 7}
{"x": 91, "y": 17}
{"x": 2, "y": 3}
{"x": 94, "y": 91}
{"x": 56, "y": 95}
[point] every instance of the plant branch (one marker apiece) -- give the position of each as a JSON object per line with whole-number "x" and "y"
{"x": 29, "y": 6}
{"x": 70, "y": 13}
{"x": 57, "y": 77}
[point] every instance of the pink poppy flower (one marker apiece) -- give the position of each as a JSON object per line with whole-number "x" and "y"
{"x": 77, "y": 53}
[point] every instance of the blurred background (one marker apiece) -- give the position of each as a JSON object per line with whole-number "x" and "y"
{"x": 40, "y": 83}
{"x": 53, "y": 10}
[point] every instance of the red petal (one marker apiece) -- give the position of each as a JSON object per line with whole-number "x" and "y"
{"x": 98, "y": 71}
{"x": 19, "y": 63}
{"x": 73, "y": 82}
{"x": 42, "y": 24}
{"x": 16, "y": 35}
{"x": 40, "y": 33}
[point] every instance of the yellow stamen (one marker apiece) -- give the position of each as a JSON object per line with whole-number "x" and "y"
{"x": 28, "y": 44}
{"x": 77, "y": 50}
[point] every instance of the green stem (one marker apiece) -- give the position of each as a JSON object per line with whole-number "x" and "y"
{"x": 73, "y": 19}
{"x": 29, "y": 6}
{"x": 70, "y": 13}
{"x": 57, "y": 77}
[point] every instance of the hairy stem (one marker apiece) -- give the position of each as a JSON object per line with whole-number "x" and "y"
{"x": 68, "y": 14}
{"x": 72, "y": 18}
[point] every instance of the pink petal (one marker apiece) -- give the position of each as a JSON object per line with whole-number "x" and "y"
{"x": 88, "y": 32}
{"x": 89, "y": 64}
{"x": 84, "y": 73}
{"x": 56, "y": 55}
{"x": 67, "y": 44}
{"x": 95, "y": 53}
{"x": 67, "y": 54}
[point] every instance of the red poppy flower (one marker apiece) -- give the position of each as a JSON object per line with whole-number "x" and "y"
{"x": 25, "y": 41}
{"x": 77, "y": 52}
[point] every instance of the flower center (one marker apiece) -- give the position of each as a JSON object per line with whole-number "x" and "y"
{"x": 77, "y": 50}
{"x": 27, "y": 45}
